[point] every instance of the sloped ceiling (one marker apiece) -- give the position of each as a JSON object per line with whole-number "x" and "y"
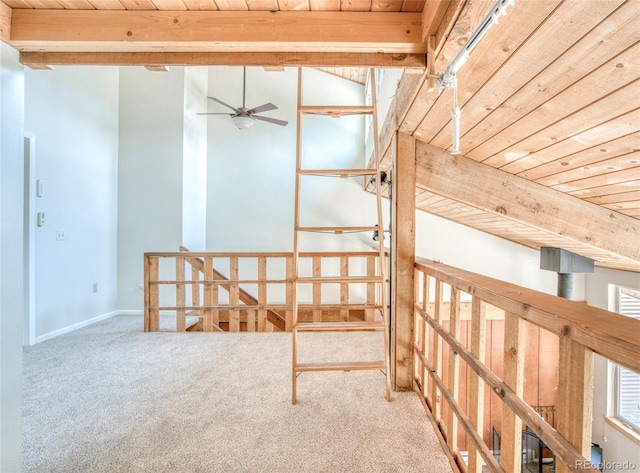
{"x": 549, "y": 98}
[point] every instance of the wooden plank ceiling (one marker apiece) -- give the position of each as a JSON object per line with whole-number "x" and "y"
{"x": 550, "y": 96}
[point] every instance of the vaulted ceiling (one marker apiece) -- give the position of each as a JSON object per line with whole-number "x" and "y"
{"x": 550, "y": 98}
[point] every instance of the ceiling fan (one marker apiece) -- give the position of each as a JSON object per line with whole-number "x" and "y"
{"x": 244, "y": 117}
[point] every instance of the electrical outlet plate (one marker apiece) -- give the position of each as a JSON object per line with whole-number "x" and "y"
{"x": 60, "y": 235}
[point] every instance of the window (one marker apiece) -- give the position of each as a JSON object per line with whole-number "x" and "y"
{"x": 627, "y": 387}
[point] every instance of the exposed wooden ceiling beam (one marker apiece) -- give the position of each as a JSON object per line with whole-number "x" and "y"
{"x": 284, "y": 31}
{"x": 515, "y": 198}
{"x": 271, "y": 59}
{"x": 5, "y": 22}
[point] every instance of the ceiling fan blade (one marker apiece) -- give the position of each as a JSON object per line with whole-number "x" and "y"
{"x": 222, "y": 103}
{"x": 215, "y": 113}
{"x": 263, "y": 108}
{"x": 275, "y": 121}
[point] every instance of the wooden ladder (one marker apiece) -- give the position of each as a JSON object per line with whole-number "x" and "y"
{"x": 380, "y": 279}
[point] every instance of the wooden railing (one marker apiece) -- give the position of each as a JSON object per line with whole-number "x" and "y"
{"x": 472, "y": 377}
{"x": 253, "y": 291}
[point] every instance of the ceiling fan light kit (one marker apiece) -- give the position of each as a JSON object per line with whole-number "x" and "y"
{"x": 244, "y": 117}
{"x": 243, "y": 122}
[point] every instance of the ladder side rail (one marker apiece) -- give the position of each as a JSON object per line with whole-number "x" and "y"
{"x": 382, "y": 259}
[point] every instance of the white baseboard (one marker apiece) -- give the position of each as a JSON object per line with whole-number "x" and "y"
{"x": 131, "y": 312}
{"x": 71, "y": 328}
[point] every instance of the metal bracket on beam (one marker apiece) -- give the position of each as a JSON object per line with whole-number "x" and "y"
{"x": 566, "y": 264}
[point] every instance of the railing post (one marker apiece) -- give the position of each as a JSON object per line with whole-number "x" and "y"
{"x": 151, "y": 295}
{"x": 262, "y": 293}
{"x": 288, "y": 315}
{"x": 575, "y": 397}
{"x": 344, "y": 288}
{"x": 403, "y": 255}
{"x": 476, "y": 385}
{"x": 436, "y": 356}
{"x": 369, "y": 314}
{"x": 210, "y": 296}
{"x": 511, "y": 434}
{"x": 195, "y": 290}
{"x": 234, "y": 295}
{"x": 454, "y": 369}
{"x": 181, "y": 322}
{"x": 317, "y": 289}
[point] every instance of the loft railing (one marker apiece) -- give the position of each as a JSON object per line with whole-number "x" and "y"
{"x": 253, "y": 291}
{"x": 480, "y": 350}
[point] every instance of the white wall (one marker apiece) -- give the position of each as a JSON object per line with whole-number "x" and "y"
{"x": 11, "y": 263}
{"x": 473, "y": 250}
{"x": 162, "y": 170}
{"x": 149, "y": 173}
{"x": 616, "y": 446}
{"x": 73, "y": 113}
{"x": 252, "y": 172}
{"x": 194, "y": 179}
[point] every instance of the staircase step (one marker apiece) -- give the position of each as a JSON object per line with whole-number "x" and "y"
{"x": 341, "y": 366}
{"x": 338, "y": 326}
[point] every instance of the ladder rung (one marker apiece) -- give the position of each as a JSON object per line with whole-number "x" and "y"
{"x": 336, "y": 110}
{"x": 338, "y": 326}
{"x": 338, "y": 230}
{"x": 346, "y": 279}
{"x": 338, "y": 172}
{"x": 341, "y": 366}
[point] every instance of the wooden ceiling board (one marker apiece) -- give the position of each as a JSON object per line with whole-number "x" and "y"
{"x": 294, "y": 5}
{"x": 602, "y": 191}
{"x": 108, "y": 4}
{"x": 138, "y": 4}
{"x": 524, "y": 60}
{"x": 262, "y": 5}
{"x": 413, "y": 5}
{"x": 206, "y": 5}
{"x": 389, "y": 5}
{"x": 355, "y": 5}
{"x": 324, "y": 5}
{"x": 593, "y": 134}
{"x": 169, "y": 5}
{"x": 615, "y": 78}
{"x": 514, "y": 157}
{"x": 471, "y": 16}
{"x": 76, "y": 4}
{"x": 232, "y": 5}
{"x": 493, "y": 61}
{"x": 630, "y": 196}
{"x": 17, "y": 4}
{"x": 46, "y": 4}
{"x": 608, "y": 39}
{"x": 593, "y": 169}
{"x": 594, "y": 154}
{"x": 523, "y": 234}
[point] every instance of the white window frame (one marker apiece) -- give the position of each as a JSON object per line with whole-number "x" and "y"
{"x": 619, "y": 372}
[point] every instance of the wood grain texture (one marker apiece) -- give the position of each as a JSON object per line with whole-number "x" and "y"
{"x": 606, "y": 333}
{"x": 5, "y": 22}
{"x": 523, "y": 201}
{"x": 107, "y": 30}
{"x": 403, "y": 242}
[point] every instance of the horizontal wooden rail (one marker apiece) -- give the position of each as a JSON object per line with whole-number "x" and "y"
{"x": 561, "y": 335}
{"x": 247, "y": 304}
{"x": 611, "y": 335}
{"x": 548, "y": 434}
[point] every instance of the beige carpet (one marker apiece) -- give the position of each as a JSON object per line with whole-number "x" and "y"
{"x": 111, "y": 398}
